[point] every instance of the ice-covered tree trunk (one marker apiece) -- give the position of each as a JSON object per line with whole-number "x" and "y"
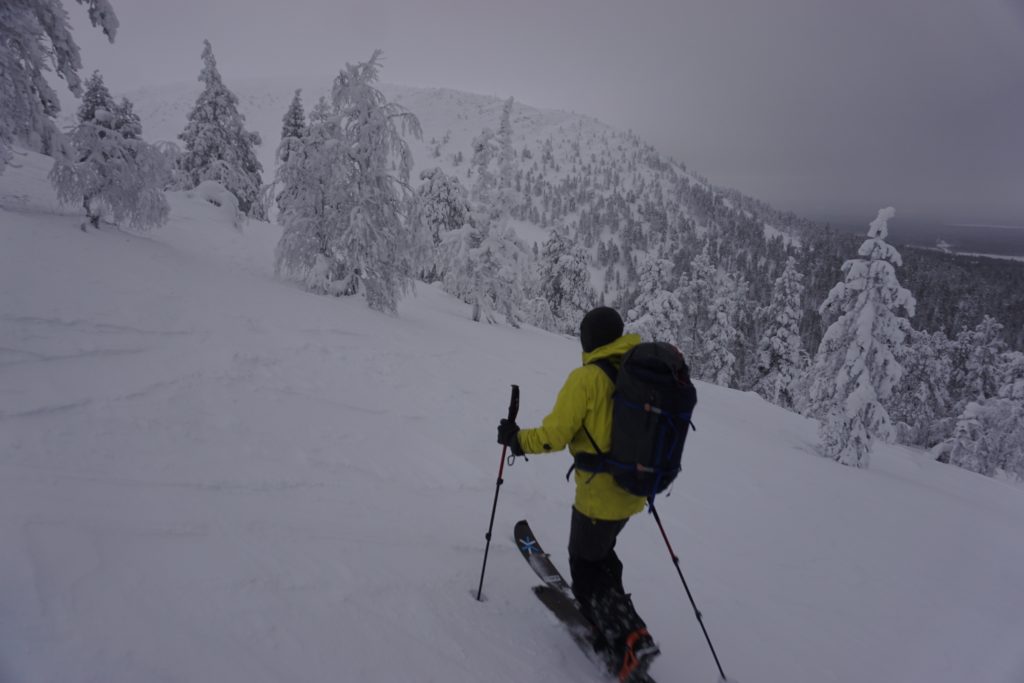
{"x": 780, "y": 354}
{"x": 35, "y": 37}
{"x": 855, "y": 368}
{"x": 217, "y": 146}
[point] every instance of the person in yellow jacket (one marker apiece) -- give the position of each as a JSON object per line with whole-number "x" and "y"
{"x": 601, "y": 508}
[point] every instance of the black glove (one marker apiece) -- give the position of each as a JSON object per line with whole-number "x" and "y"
{"x": 508, "y": 435}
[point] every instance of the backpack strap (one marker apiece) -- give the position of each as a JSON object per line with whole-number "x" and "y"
{"x": 589, "y": 462}
{"x": 608, "y": 367}
{"x": 597, "y": 461}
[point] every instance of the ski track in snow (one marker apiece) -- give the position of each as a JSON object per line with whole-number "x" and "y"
{"x": 209, "y": 475}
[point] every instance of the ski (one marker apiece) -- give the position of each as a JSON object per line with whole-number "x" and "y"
{"x": 556, "y": 595}
{"x": 539, "y": 560}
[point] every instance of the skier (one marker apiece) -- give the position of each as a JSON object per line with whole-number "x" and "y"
{"x": 583, "y": 411}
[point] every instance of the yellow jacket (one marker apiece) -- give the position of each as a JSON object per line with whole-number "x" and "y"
{"x": 586, "y": 400}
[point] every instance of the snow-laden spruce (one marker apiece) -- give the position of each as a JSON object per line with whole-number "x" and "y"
{"x": 780, "y": 354}
{"x": 481, "y": 261}
{"x": 920, "y": 405}
{"x": 979, "y": 374}
{"x": 111, "y": 172}
{"x": 723, "y": 337}
{"x": 217, "y": 145}
{"x": 657, "y": 313}
{"x": 440, "y": 205}
{"x": 989, "y": 434}
{"x": 507, "y": 197}
{"x": 485, "y": 151}
{"x": 565, "y": 280}
{"x": 293, "y": 126}
{"x": 293, "y": 130}
{"x": 484, "y": 264}
{"x": 35, "y": 37}
{"x": 346, "y": 184}
{"x": 855, "y": 368}
{"x": 698, "y": 293}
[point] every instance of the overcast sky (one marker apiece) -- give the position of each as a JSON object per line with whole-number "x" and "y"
{"x": 828, "y": 108}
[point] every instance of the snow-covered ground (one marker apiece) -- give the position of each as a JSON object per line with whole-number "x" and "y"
{"x": 209, "y": 475}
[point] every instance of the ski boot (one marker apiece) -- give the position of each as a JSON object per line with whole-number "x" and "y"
{"x": 629, "y": 647}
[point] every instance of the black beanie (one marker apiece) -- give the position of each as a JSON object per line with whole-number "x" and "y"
{"x": 601, "y": 326}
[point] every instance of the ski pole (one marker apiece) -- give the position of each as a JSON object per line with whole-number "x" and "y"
{"x": 513, "y": 410}
{"x": 675, "y": 560}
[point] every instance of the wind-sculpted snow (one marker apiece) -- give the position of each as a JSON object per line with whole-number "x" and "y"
{"x": 209, "y": 475}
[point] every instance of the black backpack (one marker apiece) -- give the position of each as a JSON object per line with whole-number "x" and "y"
{"x": 653, "y": 402}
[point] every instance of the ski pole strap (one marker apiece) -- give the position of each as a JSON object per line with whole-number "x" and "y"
{"x": 511, "y": 459}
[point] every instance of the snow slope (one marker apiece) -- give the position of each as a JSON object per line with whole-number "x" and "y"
{"x": 208, "y": 475}
{"x": 442, "y": 112}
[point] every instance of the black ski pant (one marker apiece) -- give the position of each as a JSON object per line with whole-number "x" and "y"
{"x": 596, "y": 569}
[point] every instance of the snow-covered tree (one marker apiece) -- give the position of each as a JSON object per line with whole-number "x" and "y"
{"x": 217, "y": 146}
{"x": 293, "y": 126}
{"x": 657, "y": 312}
{"x": 345, "y": 233}
{"x": 506, "y": 195}
{"x": 979, "y": 374}
{"x": 718, "y": 354}
{"x": 780, "y": 353}
{"x": 293, "y": 130}
{"x": 35, "y": 37}
{"x": 439, "y": 206}
{"x": 308, "y": 206}
{"x": 565, "y": 281}
{"x": 989, "y": 437}
{"x": 920, "y": 405}
{"x": 484, "y": 267}
{"x": 112, "y": 171}
{"x": 697, "y": 293}
{"x": 126, "y": 121}
{"x": 95, "y": 98}
{"x": 855, "y": 368}
{"x": 485, "y": 150}
{"x": 443, "y": 204}
{"x": 989, "y": 434}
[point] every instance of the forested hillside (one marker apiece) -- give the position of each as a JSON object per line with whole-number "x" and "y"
{"x": 533, "y": 216}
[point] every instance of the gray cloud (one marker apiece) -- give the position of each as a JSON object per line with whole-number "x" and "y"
{"x": 828, "y": 109}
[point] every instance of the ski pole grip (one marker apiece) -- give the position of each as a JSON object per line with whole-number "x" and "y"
{"x": 513, "y": 406}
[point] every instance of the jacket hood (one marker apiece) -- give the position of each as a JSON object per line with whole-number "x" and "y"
{"x": 615, "y": 349}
